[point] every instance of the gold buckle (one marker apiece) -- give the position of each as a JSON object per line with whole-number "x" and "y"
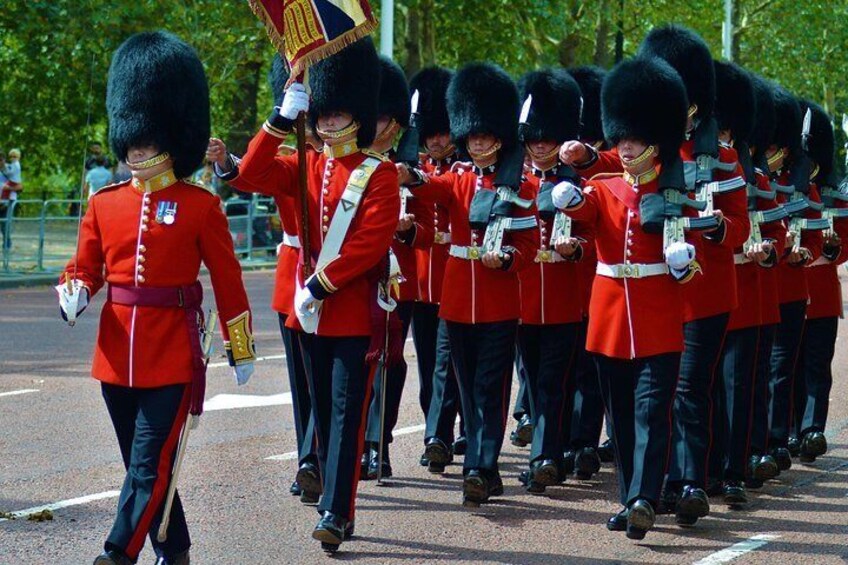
{"x": 439, "y": 237}
{"x": 545, "y": 256}
{"x": 473, "y": 253}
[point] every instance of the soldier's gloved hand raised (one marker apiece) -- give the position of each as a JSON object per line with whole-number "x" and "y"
{"x": 565, "y": 195}
{"x": 73, "y": 299}
{"x": 306, "y": 308}
{"x": 295, "y": 101}
{"x": 243, "y": 373}
{"x": 679, "y": 255}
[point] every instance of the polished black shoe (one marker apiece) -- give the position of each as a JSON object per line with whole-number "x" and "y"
{"x": 523, "y": 434}
{"x": 813, "y": 445}
{"x": 793, "y": 445}
{"x": 295, "y": 489}
{"x": 524, "y": 477}
{"x": 568, "y": 462}
{"x": 330, "y": 531}
{"x": 640, "y": 519}
{"x": 369, "y": 453}
{"x": 309, "y": 479}
{"x": 606, "y": 452}
{"x": 460, "y": 445}
{"x": 438, "y": 455}
{"x": 179, "y": 559}
{"x": 374, "y": 465}
{"x": 309, "y": 498}
{"x": 475, "y": 489}
{"x": 763, "y": 467}
{"x": 782, "y": 457}
{"x": 734, "y": 494}
{"x": 349, "y": 531}
{"x": 423, "y": 461}
{"x": 618, "y": 522}
{"x": 543, "y": 473}
{"x": 714, "y": 487}
{"x": 496, "y": 487}
{"x": 587, "y": 463}
{"x": 668, "y": 500}
{"x": 693, "y": 504}
{"x": 112, "y": 557}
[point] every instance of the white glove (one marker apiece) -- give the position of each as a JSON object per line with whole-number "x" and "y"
{"x": 679, "y": 255}
{"x": 295, "y": 101}
{"x": 74, "y": 300}
{"x": 243, "y": 373}
{"x": 566, "y": 195}
{"x": 307, "y": 309}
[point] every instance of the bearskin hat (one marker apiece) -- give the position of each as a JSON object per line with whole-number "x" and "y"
{"x": 821, "y": 143}
{"x": 690, "y": 56}
{"x": 765, "y": 120}
{"x": 394, "y": 92}
{"x": 644, "y": 98}
{"x": 787, "y": 131}
{"x": 555, "y": 110}
{"x": 590, "y": 78}
{"x": 348, "y": 81}
{"x": 432, "y": 86}
{"x": 483, "y": 99}
{"x": 736, "y": 106}
{"x": 278, "y": 76}
{"x": 157, "y": 95}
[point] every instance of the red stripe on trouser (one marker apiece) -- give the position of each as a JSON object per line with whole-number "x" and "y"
{"x": 360, "y": 438}
{"x": 163, "y": 479}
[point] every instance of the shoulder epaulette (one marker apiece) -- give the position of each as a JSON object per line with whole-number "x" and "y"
{"x": 603, "y": 176}
{"x": 461, "y": 166}
{"x": 200, "y": 186}
{"x": 375, "y": 155}
{"x": 110, "y": 187}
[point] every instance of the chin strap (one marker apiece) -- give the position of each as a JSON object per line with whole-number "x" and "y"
{"x": 636, "y": 161}
{"x": 484, "y": 154}
{"x": 339, "y": 134}
{"x": 152, "y": 162}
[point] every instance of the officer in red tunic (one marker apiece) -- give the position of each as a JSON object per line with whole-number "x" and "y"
{"x": 636, "y": 310}
{"x": 146, "y": 238}
{"x": 429, "y": 331}
{"x": 307, "y": 483}
{"x": 353, "y": 205}
{"x": 813, "y": 378}
{"x": 415, "y": 231}
{"x": 480, "y": 302}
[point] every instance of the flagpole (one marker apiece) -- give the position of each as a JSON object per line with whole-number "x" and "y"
{"x": 304, "y": 195}
{"x": 387, "y": 27}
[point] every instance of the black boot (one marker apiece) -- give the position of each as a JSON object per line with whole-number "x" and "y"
{"x": 606, "y": 452}
{"x": 523, "y": 434}
{"x": 734, "y": 494}
{"x": 782, "y": 457}
{"x": 693, "y": 504}
{"x": 543, "y": 473}
{"x": 618, "y": 522}
{"x": 793, "y": 444}
{"x": 460, "y": 445}
{"x": 374, "y": 464}
{"x": 587, "y": 463}
{"x": 813, "y": 445}
{"x": 112, "y": 557}
{"x": 369, "y": 453}
{"x": 309, "y": 479}
{"x": 438, "y": 455}
{"x": 475, "y": 489}
{"x": 640, "y": 519}
{"x": 179, "y": 559}
{"x": 330, "y": 531}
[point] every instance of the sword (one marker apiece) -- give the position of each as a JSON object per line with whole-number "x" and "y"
{"x": 190, "y": 424}
{"x": 407, "y": 152}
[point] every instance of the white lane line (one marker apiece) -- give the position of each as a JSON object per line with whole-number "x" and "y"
{"x": 737, "y": 550}
{"x": 267, "y": 358}
{"x": 17, "y": 392}
{"x": 235, "y": 401}
{"x": 64, "y": 504}
{"x": 400, "y": 432}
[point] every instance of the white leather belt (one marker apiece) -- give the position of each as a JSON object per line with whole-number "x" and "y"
{"x": 741, "y": 259}
{"x": 290, "y": 240}
{"x": 467, "y": 252}
{"x": 631, "y": 270}
{"x": 549, "y": 256}
{"x": 442, "y": 238}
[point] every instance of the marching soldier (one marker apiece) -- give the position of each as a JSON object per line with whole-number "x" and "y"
{"x": 636, "y": 309}
{"x": 149, "y": 236}
{"x": 353, "y": 206}
{"x": 431, "y": 84}
{"x": 480, "y": 302}
{"x": 415, "y": 230}
{"x": 307, "y": 483}
{"x": 551, "y": 298}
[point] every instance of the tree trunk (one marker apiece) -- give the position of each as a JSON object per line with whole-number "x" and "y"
{"x": 619, "y": 33}
{"x": 428, "y": 32}
{"x": 244, "y": 102}
{"x": 602, "y": 53}
{"x": 736, "y": 32}
{"x": 412, "y": 43}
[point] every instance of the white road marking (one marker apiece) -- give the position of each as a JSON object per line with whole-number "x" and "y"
{"x": 737, "y": 550}
{"x": 234, "y": 401}
{"x": 17, "y": 392}
{"x": 64, "y": 504}
{"x": 399, "y": 432}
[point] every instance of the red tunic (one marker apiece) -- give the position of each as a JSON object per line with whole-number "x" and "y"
{"x": 122, "y": 243}
{"x": 628, "y": 318}
{"x": 473, "y": 293}
{"x": 823, "y": 280}
{"x": 347, "y": 310}
{"x": 792, "y": 280}
{"x": 431, "y": 262}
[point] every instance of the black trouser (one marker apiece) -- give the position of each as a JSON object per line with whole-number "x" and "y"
{"x": 732, "y": 404}
{"x": 148, "y": 423}
{"x": 548, "y": 352}
{"x": 425, "y": 329}
{"x": 759, "y": 412}
{"x": 339, "y": 387}
{"x": 445, "y": 403}
{"x": 784, "y": 357}
{"x": 588, "y": 407}
{"x": 522, "y": 399}
{"x": 483, "y": 356}
{"x": 637, "y": 396}
{"x": 693, "y": 401}
{"x": 304, "y": 426}
{"x": 817, "y": 349}
{"x": 395, "y": 379}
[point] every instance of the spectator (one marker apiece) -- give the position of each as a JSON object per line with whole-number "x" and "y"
{"x": 10, "y": 185}
{"x": 95, "y": 149}
{"x": 122, "y": 173}
{"x": 206, "y": 177}
{"x": 98, "y": 176}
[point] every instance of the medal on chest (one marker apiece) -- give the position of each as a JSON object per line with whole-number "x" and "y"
{"x": 166, "y": 213}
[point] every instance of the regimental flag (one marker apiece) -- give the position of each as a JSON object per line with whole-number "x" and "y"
{"x": 306, "y": 31}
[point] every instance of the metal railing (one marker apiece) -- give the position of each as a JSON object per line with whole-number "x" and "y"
{"x": 40, "y": 235}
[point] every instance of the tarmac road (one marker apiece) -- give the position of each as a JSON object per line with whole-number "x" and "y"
{"x": 57, "y": 445}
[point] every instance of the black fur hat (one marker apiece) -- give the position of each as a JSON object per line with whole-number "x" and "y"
{"x": 278, "y": 76}
{"x": 555, "y": 110}
{"x": 432, "y": 86}
{"x": 394, "y": 92}
{"x": 821, "y": 143}
{"x": 348, "y": 81}
{"x": 787, "y": 131}
{"x": 644, "y": 98}
{"x": 765, "y": 120}
{"x": 736, "y": 105}
{"x": 157, "y": 95}
{"x": 689, "y": 55}
{"x": 483, "y": 99}
{"x": 590, "y": 78}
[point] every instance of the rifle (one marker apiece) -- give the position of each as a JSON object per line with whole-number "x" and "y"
{"x": 407, "y": 151}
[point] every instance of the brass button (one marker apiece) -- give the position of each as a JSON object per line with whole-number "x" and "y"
{"x": 141, "y": 259}
{"x": 324, "y": 229}
{"x": 142, "y": 248}
{"x": 326, "y": 218}
{"x": 145, "y": 219}
{"x": 141, "y": 268}
{"x": 140, "y": 279}
{"x": 144, "y": 227}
